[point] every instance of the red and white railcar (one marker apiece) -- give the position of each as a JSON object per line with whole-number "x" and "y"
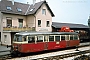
{"x": 26, "y": 42}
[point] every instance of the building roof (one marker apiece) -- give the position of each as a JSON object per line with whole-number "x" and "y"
{"x": 71, "y": 25}
{"x": 26, "y": 8}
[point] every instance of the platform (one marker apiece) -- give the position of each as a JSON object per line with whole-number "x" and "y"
{"x": 4, "y": 50}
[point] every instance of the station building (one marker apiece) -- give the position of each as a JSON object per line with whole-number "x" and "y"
{"x": 19, "y": 17}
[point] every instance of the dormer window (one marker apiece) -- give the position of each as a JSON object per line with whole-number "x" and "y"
{"x": 19, "y": 10}
{"x": 9, "y": 8}
{"x": 31, "y": 9}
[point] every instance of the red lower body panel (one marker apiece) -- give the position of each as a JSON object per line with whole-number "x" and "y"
{"x": 72, "y": 43}
{"x": 32, "y": 47}
{"x": 40, "y": 46}
{"x": 56, "y": 45}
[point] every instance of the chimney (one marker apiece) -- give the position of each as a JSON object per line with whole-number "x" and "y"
{"x": 11, "y": 1}
{"x": 27, "y": 2}
{"x": 34, "y": 2}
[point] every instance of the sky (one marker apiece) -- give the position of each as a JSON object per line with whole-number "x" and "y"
{"x": 67, "y": 11}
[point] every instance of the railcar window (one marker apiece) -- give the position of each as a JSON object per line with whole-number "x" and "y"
{"x": 75, "y": 37}
{"x": 24, "y": 39}
{"x": 62, "y": 37}
{"x": 31, "y": 39}
{"x": 14, "y": 38}
{"x": 57, "y": 38}
{"x": 67, "y": 37}
{"x": 18, "y": 38}
{"x": 39, "y": 38}
{"x": 51, "y": 38}
{"x": 71, "y": 37}
{"x": 46, "y": 38}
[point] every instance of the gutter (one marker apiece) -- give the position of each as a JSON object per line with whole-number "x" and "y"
{"x": 35, "y": 22}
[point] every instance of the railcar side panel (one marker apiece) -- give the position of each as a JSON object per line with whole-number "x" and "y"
{"x": 72, "y": 43}
{"x": 56, "y": 45}
{"x": 31, "y": 47}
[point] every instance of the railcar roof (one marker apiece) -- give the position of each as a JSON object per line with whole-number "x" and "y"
{"x": 45, "y": 33}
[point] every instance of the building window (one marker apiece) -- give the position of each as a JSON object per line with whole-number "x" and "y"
{"x": 31, "y": 9}
{"x": 39, "y": 23}
{"x": 44, "y": 11}
{"x": 9, "y": 22}
{"x": 19, "y": 10}
{"x": 8, "y": 8}
{"x": 47, "y": 23}
{"x": 5, "y": 38}
{"x": 20, "y": 23}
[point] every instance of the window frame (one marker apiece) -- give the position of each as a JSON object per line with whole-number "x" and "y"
{"x": 53, "y": 39}
{"x": 19, "y": 9}
{"x": 33, "y": 41}
{"x": 64, "y": 37}
{"x": 59, "y": 38}
{"x": 44, "y": 11}
{"x": 47, "y": 23}
{"x": 39, "y": 23}
{"x": 7, "y": 20}
{"x": 20, "y": 22}
{"x": 8, "y": 8}
{"x": 40, "y": 40}
{"x": 72, "y": 37}
{"x": 75, "y": 36}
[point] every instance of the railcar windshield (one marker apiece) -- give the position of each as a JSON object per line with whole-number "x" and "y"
{"x": 75, "y": 37}
{"x": 17, "y": 38}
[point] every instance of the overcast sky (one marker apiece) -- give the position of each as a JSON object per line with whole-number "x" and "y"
{"x": 68, "y": 11}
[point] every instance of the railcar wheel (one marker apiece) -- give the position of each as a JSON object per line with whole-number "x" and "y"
{"x": 19, "y": 54}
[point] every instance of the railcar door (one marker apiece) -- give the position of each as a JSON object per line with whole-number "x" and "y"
{"x": 67, "y": 40}
{"x": 46, "y": 42}
{"x": 74, "y": 41}
{"x": 40, "y": 43}
{"x": 35, "y": 43}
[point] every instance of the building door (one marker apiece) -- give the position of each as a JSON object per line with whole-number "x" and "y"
{"x": 9, "y": 22}
{"x": 20, "y": 23}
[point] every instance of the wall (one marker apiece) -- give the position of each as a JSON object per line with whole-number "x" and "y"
{"x": 0, "y": 21}
{"x": 43, "y": 19}
{"x": 30, "y": 21}
{"x": 14, "y": 19}
{"x": 8, "y": 38}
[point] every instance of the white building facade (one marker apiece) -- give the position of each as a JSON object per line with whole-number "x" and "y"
{"x": 18, "y": 17}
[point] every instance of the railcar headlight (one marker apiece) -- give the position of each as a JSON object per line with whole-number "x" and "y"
{"x": 16, "y": 47}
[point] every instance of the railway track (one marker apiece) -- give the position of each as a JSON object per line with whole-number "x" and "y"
{"x": 65, "y": 55}
{"x": 49, "y": 56}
